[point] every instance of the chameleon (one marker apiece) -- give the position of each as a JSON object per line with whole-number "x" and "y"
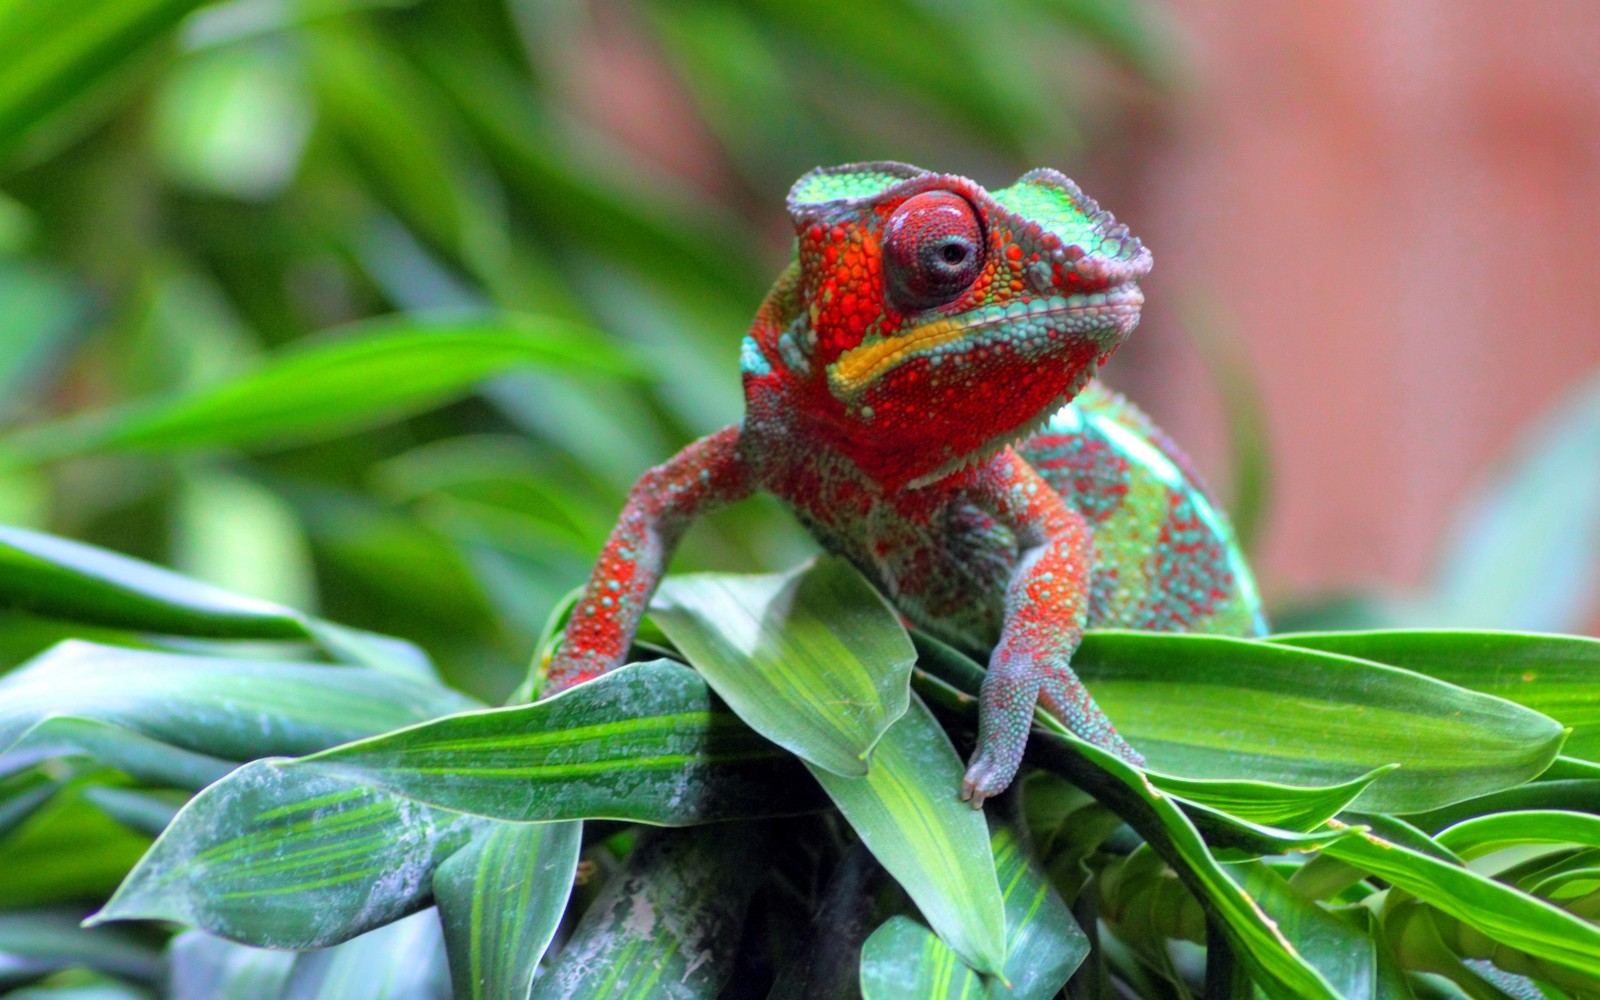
{"x": 920, "y": 391}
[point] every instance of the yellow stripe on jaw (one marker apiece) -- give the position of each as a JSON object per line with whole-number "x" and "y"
{"x": 860, "y": 365}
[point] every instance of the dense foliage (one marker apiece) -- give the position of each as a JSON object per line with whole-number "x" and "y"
{"x": 345, "y": 305}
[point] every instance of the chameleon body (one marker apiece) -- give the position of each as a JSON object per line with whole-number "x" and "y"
{"x": 918, "y": 391}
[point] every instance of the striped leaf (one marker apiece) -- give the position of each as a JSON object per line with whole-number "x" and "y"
{"x": 908, "y": 812}
{"x": 500, "y": 899}
{"x": 1205, "y": 706}
{"x": 667, "y": 924}
{"x": 1043, "y": 940}
{"x": 222, "y": 708}
{"x": 903, "y": 959}
{"x": 1044, "y": 943}
{"x": 290, "y": 859}
{"x": 646, "y": 742}
{"x": 814, "y": 660}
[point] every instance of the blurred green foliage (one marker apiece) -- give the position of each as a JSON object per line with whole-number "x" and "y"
{"x": 189, "y": 190}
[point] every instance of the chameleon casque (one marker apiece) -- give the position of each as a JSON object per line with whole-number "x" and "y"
{"x": 918, "y": 390}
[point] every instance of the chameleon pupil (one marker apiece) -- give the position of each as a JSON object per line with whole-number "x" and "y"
{"x": 953, "y": 253}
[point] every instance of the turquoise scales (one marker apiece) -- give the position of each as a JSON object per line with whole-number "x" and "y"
{"x": 1111, "y": 463}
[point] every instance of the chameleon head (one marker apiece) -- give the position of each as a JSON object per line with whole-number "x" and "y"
{"x": 942, "y": 321}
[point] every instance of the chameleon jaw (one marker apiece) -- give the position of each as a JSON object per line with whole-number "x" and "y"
{"x": 1116, "y": 309}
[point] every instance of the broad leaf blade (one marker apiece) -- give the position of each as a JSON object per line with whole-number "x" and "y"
{"x": 1213, "y": 707}
{"x": 500, "y": 899}
{"x": 232, "y": 709}
{"x": 131, "y": 752}
{"x": 290, "y": 859}
{"x": 385, "y": 370}
{"x": 1479, "y": 836}
{"x": 908, "y": 812}
{"x": 814, "y": 660}
{"x": 903, "y": 959}
{"x": 1553, "y": 674}
{"x": 1043, "y": 942}
{"x": 666, "y": 925}
{"x": 646, "y": 742}
{"x": 60, "y": 578}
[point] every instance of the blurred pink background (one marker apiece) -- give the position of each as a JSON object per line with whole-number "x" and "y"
{"x": 1393, "y": 208}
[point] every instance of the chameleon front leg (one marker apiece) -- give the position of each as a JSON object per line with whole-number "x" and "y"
{"x": 1046, "y": 605}
{"x": 703, "y": 476}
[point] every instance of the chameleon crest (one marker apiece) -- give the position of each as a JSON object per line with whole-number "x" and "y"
{"x": 924, "y": 293}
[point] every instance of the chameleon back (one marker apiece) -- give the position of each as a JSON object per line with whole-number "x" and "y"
{"x": 1166, "y": 557}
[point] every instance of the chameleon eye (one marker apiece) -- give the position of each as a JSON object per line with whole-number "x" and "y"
{"x": 932, "y": 250}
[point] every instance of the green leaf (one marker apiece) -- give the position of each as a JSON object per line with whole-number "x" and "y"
{"x": 1579, "y": 794}
{"x": 209, "y": 968}
{"x": 52, "y": 54}
{"x": 231, "y": 709}
{"x": 908, "y": 812}
{"x": 1344, "y": 955}
{"x": 1503, "y": 914}
{"x": 1553, "y": 674}
{"x": 1043, "y": 942}
{"x": 285, "y": 858}
{"x": 903, "y": 960}
{"x": 1154, "y": 815}
{"x": 1213, "y": 707}
{"x": 35, "y": 942}
{"x": 376, "y": 373}
{"x": 645, "y": 742}
{"x": 500, "y": 899}
{"x": 1479, "y": 836}
{"x": 66, "y": 851}
{"x": 1275, "y": 965}
{"x": 1289, "y": 807}
{"x": 665, "y": 925}
{"x": 127, "y": 750}
{"x": 815, "y": 660}
{"x": 45, "y": 575}
{"x": 148, "y": 812}
{"x": 402, "y": 961}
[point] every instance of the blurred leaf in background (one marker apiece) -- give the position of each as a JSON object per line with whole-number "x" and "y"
{"x": 189, "y": 190}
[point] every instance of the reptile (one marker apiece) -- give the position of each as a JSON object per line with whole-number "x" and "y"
{"x": 919, "y": 390}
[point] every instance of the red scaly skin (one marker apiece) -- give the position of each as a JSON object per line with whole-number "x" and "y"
{"x": 925, "y": 325}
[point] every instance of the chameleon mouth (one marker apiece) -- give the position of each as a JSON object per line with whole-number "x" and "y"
{"x": 1029, "y": 327}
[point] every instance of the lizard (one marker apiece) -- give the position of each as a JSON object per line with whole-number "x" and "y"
{"x": 920, "y": 391}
